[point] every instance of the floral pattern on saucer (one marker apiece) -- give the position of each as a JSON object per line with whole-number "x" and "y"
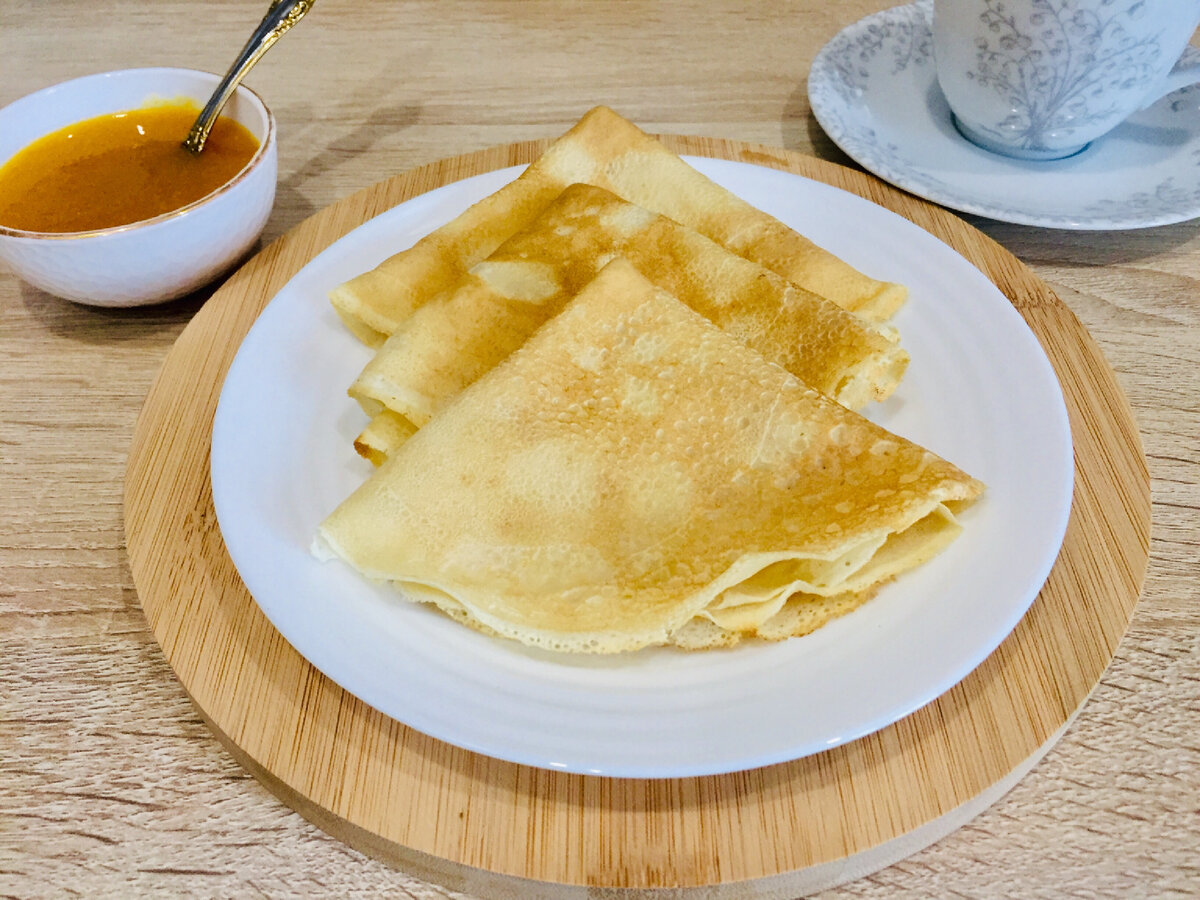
{"x": 874, "y": 90}
{"x": 907, "y": 39}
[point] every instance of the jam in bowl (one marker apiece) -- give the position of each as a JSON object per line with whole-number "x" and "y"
{"x": 100, "y": 203}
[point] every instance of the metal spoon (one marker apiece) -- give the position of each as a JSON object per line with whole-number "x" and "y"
{"x": 281, "y": 16}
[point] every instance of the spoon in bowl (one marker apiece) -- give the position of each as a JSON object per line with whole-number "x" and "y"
{"x": 281, "y": 16}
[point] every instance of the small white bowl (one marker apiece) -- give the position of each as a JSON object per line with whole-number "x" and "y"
{"x": 155, "y": 259}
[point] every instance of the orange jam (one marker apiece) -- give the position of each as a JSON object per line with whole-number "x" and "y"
{"x": 116, "y": 169}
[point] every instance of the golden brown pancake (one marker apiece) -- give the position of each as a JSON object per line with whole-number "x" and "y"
{"x": 632, "y": 472}
{"x": 608, "y": 151}
{"x": 455, "y": 338}
{"x": 385, "y": 432}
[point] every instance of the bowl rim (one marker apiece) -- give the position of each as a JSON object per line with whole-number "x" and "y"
{"x": 253, "y": 163}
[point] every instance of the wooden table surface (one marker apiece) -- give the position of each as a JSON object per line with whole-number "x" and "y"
{"x": 109, "y": 783}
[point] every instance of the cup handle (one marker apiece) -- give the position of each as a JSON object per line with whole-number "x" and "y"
{"x": 1179, "y": 77}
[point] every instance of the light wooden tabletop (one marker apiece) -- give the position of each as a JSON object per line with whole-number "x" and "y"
{"x": 110, "y": 785}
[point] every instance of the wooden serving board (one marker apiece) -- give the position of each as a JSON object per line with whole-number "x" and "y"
{"x": 502, "y": 829}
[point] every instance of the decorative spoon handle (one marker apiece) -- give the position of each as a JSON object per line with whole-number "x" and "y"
{"x": 281, "y": 16}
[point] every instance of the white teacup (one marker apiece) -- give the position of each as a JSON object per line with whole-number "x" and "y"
{"x": 1040, "y": 79}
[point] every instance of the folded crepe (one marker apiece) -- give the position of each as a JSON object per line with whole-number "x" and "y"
{"x": 610, "y": 152}
{"x": 385, "y": 432}
{"x": 632, "y": 476}
{"x": 452, "y": 340}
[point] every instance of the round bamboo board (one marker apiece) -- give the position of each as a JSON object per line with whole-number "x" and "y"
{"x": 501, "y": 829}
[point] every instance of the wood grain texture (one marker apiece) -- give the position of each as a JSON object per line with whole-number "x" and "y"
{"x": 457, "y": 816}
{"x": 111, "y": 785}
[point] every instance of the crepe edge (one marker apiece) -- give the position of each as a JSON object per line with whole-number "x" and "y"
{"x": 945, "y": 503}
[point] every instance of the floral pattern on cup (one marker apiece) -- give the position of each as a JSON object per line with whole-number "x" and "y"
{"x": 1059, "y": 67}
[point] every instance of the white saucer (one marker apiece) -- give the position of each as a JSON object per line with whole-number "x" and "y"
{"x": 874, "y": 90}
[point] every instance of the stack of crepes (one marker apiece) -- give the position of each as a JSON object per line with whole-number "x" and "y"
{"x": 612, "y": 408}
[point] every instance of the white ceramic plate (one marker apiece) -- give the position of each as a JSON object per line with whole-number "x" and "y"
{"x": 874, "y": 90}
{"x": 979, "y": 392}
